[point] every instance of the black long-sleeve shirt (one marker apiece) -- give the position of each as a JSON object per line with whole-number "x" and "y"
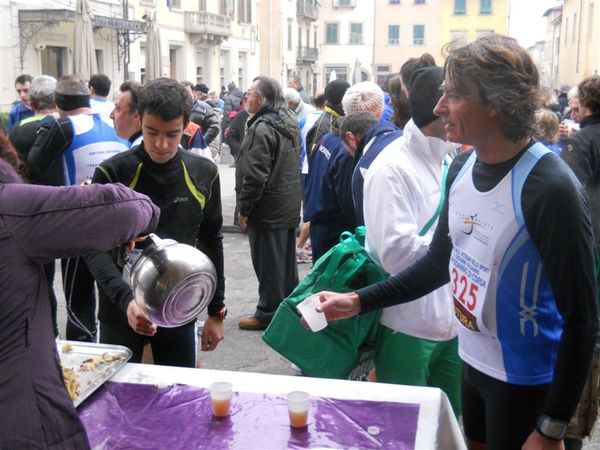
{"x": 44, "y": 162}
{"x": 187, "y": 191}
{"x": 557, "y": 218}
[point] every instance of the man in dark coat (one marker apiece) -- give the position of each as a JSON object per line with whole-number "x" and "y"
{"x": 582, "y": 153}
{"x": 268, "y": 196}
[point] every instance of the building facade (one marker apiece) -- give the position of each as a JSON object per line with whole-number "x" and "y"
{"x": 548, "y": 65}
{"x": 202, "y": 41}
{"x": 346, "y": 38}
{"x": 579, "y": 40}
{"x": 217, "y": 42}
{"x": 209, "y": 41}
{"x": 462, "y": 21}
{"x": 404, "y": 29}
{"x": 307, "y": 51}
{"x": 36, "y": 37}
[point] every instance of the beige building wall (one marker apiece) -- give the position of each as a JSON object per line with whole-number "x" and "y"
{"x": 552, "y": 46}
{"x": 464, "y": 27}
{"x": 271, "y": 36}
{"x": 579, "y": 41}
{"x": 288, "y": 46}
{"x": 400, "y": 20}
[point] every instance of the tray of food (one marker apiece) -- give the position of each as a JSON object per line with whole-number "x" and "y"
{"x": 87, "y": 365}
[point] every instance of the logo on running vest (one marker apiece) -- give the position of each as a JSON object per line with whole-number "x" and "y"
{"x": 180, "y": 199}
{"x": 467, "y": 319}
{"x": 498, "y": 208}
{"x": 476, "y": 227}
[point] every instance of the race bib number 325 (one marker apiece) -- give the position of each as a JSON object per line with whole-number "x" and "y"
{"x": 468, "y": 283}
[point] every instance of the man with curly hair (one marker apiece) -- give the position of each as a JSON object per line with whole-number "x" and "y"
{"x": 513, "y": 214}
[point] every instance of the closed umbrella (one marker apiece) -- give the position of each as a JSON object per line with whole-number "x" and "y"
{"x": 84, "y": 52}
{"x": 332, "y": 76}
{"x": 357, "y": 72}
{"x": 153, "y": 53}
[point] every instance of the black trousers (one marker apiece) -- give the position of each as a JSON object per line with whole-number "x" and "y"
{"x": 170, "y": 346}
{"x": 501, "y": 414}
{"x": 80, "y": 294}
{"x": 273, "y": 255}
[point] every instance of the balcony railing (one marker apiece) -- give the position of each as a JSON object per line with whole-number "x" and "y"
{"x": 207, "y": 24}
{"x": 308, "y": 54}
{"x": 307, "y": 9}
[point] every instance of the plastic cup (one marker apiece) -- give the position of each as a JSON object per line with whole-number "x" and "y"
{"x": 315, "y": 320}
{"x": 220, "y": 398}
{"x": 572, "y": 126}
{"x": 298, "y": 408}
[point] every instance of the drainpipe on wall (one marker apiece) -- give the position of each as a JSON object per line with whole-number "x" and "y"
{"x": 579, "y": 36}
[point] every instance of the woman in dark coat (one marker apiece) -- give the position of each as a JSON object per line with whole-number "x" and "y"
{"x": 39, "y": 224}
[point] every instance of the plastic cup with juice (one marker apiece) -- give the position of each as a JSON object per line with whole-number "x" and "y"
{"x": 220, "y": 398}
{"x": 298, "y": 408}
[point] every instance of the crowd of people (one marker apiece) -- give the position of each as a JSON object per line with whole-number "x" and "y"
{"x": 479, "y": 196}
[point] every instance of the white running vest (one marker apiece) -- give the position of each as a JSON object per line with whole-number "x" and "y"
{"x": 508, "y": 324}
{"x": 94, "y": 141}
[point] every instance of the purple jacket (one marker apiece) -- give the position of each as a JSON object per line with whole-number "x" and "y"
{"x": 39, "y": 224}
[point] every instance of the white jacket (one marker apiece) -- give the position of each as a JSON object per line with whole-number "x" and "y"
{"x": 401, "y": 194}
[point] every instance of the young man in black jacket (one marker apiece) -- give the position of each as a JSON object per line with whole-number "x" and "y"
{"x": 186, "y": 188}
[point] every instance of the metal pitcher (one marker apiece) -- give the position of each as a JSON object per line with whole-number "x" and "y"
{"x": 171, "y": 282}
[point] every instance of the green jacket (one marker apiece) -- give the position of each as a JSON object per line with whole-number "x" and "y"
{"x": 268, "y": 187}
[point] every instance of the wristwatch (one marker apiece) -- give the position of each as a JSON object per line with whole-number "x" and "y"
{"x": 221, "y": 314}
{"x": 552, "y": 428}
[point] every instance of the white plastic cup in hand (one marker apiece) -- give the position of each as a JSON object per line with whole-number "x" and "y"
{"x": 572, "y": 126}
{"x": 316, "y": 320}
{"x": 220, "y": 398}
{"x": 298, "y": 408}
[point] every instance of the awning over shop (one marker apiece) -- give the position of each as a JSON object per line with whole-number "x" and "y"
{"x": 32, "y": 21}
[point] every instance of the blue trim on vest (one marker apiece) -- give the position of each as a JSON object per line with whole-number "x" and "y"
{"x": 528, "y": 323}
{"x": 358, "y": 181}
{"x": 520, "y": 173}
{"x": 461, "y": 173}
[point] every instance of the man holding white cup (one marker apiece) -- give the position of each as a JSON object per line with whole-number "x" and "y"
{"x": 570, "y": 122}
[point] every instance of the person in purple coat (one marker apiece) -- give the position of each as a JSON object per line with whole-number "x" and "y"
{"x": 39, "y": 224}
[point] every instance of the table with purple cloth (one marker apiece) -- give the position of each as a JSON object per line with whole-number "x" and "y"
{"x": 158, "y": 407}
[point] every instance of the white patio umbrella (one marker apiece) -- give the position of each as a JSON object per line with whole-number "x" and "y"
{"x": 84, "y": 52}
{"x": 153, "y": 53}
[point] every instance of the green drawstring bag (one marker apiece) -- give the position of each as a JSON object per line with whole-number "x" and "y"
{"x": 334, "y": 351}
